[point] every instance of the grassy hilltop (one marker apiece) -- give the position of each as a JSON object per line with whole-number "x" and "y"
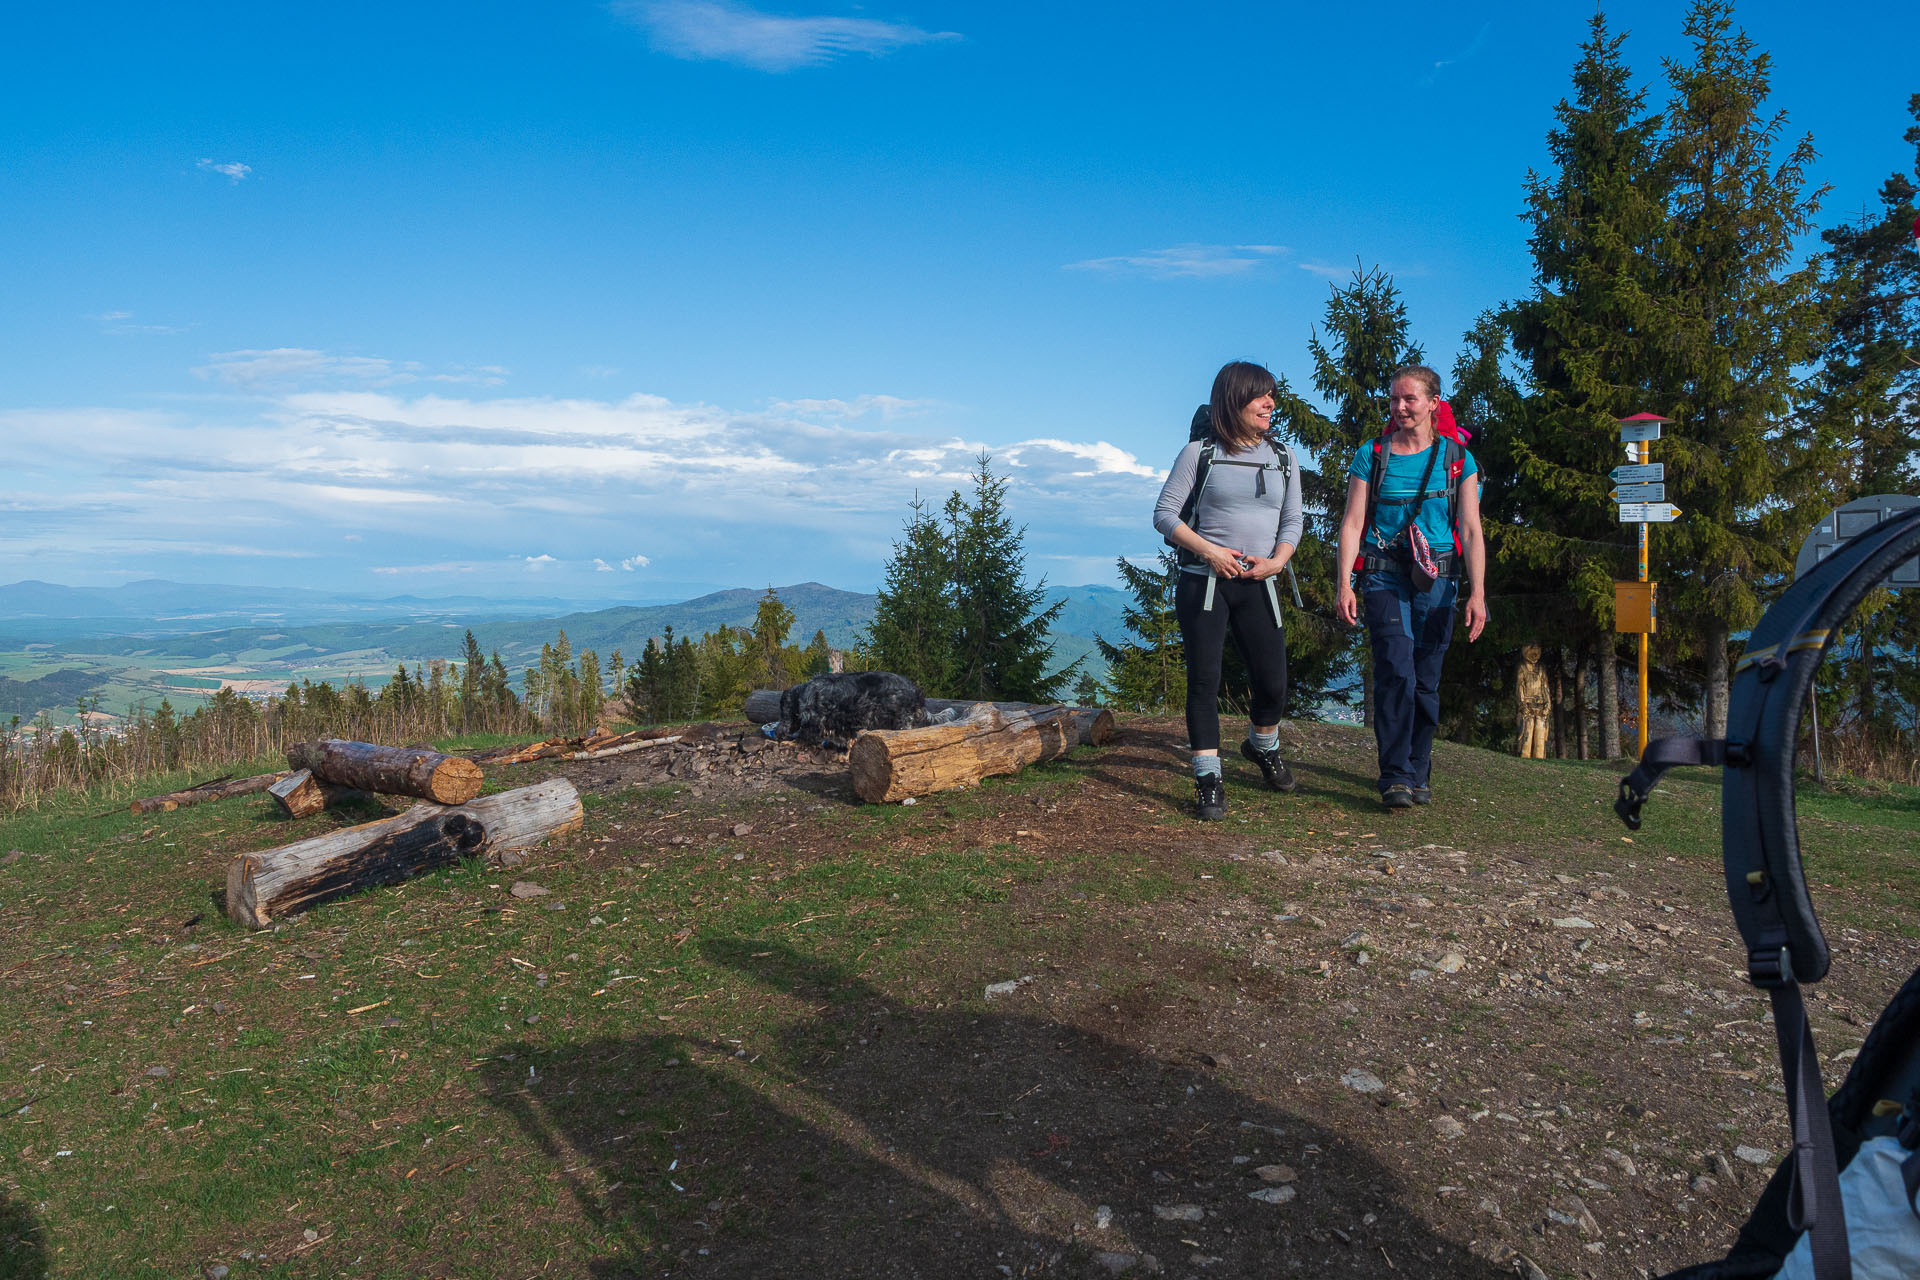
{"x": 749, "y": 1033}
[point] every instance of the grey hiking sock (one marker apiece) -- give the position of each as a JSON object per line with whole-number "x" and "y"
{"x": 1264, "y": 741}
{"x": 1204, "y": 765}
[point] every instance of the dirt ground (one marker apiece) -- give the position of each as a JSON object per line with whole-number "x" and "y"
{"x": 1373, "y": 1049}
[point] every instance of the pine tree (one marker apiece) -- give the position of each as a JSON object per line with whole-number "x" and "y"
{"x": 818, "y": 659}
{"x": 1000, "y": 647}
{"x": 1869, "y": 408}
{"x": 1366, "y": 339}
{"x": 1595, "y": 226}
{"x": 913, "y": 626}
{"x": 1149, "y": 672}
{"x": 771, "y": 623}
{"x": 473, "y": 670}
{"x": 1736, "y": 318}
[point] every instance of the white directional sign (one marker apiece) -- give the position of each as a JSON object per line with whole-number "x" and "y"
{"x": 1631, "y": 432}
{"x": 1648, "y": 512}
{"x": 1638, "y": 473}
{"x": 1639, "y": 493}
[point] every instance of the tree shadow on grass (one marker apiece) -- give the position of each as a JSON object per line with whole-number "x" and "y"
{"x": 23, "y": 1242}
{"x": 867, "y": 1138}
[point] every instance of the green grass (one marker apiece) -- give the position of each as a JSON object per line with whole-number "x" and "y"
{"x": 391, "y": 1071}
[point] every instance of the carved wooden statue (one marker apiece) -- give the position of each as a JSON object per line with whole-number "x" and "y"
{"x": 1536, "y": 703}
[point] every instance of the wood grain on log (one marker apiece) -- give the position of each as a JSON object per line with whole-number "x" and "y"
{"x": 219, "y": 790}
{"x": 391, "y": 771}
{"x": 888, "y": 765}
{"x": 301, "y": 795}
{"x": 264, "y": 886}
{"x": 1094, "y": 725}
{"x": 623, "y": 748}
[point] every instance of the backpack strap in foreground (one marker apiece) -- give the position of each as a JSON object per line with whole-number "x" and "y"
{"x": 1760, "y": 846}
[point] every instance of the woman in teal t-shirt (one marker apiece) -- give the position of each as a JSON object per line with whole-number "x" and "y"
{"x": 1405, "y": 548}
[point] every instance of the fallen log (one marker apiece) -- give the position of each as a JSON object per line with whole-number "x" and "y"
{"x": 300, "y": 794}
{"x": 889, "y": 765}
{"x": 1093, "y": 725}
{"x": 390, "y": 771}
{"x": 265, "y": 886}
{"x": 218, "y": 789}
{"x": 623, "y": 748}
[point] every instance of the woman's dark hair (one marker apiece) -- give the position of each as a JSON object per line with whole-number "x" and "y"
{"x": 1237, "y": 385}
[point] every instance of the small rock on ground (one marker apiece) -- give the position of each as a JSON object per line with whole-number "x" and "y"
{"x": 1275, "y": 1173}
{"x": 1361, "y": 1081}
{"x": 1272, "y": 1195}
{"x": 1179, "y": 1212}
{"x": 528, "y": 889}
{"x": 1752, "y": 1155}
{"x": 1448, "y": 1127}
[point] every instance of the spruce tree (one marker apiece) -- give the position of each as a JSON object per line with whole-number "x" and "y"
{"x": 1734, "y": 317}
{"x": 1595, "y": 223}
{"x": 1365, "y": 340}
{"x": 914, "y": 621}
{"x": 473, "y": 671}
{"x": 1149, "y": 671}
{"x": 1869, "y": 411}
{"x": 771, "y": 623}
{"x": 1000, "y": 647}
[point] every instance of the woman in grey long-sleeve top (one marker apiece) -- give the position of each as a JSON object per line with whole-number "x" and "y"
{"x": 1233, "y": 537}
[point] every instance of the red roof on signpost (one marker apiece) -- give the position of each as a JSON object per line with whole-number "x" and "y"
{"x": 1644, "y": 417}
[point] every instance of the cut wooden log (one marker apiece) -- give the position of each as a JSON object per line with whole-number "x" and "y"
{"x": 390, "y": 771}
{"x": 889, "y": 765}
{"x": 271, "y": 884}
{"x": 300, "y": 794}
{"x": 623, "y": 748}
{"x": 1094, "y": 725}
{"x": 218, "y": 789}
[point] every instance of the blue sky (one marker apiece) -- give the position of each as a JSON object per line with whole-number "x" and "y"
{"x": 598, "y": 300}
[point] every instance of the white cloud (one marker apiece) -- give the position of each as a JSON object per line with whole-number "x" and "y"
{"x": 887, "y": 407}
{"x": 725, "y": 31}
{"x": 719, "y": 495}
{"x": 122, "y": 322}
{"x": 1187, "y": 261}
{"x": 275, "y": 367}
{"x": 233, "y": 171}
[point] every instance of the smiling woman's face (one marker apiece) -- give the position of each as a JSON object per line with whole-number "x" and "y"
{"x": 1258, "y": 415}
{"x": 1411, "y": 404}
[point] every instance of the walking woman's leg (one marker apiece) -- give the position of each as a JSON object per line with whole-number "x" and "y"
{"x": 1263, "y": 644}
{"x": 1432, "y": 619}
{"x": 1203, "y": 633}
{"x": 1386, "y": 599}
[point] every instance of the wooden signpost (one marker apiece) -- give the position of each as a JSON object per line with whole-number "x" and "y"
{"x": 1640, "y": 487}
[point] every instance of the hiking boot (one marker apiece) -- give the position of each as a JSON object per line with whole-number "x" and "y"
{"x": 1397, "y": 796}
{"x": 1272, "y": 767}
{"x": 1209, "y": 797}
{"x": 1423, "y": 795}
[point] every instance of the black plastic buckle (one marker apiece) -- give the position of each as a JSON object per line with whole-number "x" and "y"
{"x": 1628, "y": 805}
{"x": 1736, "y": 754}
{"x": 1770, "y": 967}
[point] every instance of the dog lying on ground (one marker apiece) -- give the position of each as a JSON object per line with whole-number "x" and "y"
{"x": 832, "y": 709}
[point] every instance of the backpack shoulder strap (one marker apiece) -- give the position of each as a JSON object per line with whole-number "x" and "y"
{"x": 1202, "y": 467}
{"x": 1456, "y": 463}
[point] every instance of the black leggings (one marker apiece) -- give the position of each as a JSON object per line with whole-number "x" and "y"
{"x": 1244, "y": 607}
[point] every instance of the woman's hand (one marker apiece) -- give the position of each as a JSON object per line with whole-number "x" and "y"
{"x": 1264, "y": 567}
{"x": 1476, "y": 616}
{"x": 1224, "y": 561}
{"x": 1346, "y": 605}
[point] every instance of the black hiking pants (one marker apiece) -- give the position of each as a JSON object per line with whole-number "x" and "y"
{"x": 1247, "y": 609}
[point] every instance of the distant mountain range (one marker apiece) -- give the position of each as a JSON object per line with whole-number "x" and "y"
{"x": 135, "y": 644}
{"x": 44, "y": 611}
{"x": 842, "y": 615}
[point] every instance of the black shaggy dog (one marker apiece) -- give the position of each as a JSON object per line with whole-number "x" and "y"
{"x": 833, "y": 708}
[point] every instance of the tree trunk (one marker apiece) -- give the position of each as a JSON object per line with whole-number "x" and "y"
{"x": 300, "y": 794}
{"x": 264, "y": 886}
{"x": 219, "y": 789}
{"x": 1582, "y": 742}
{"x": 889, "y": 765}
{"x": 1716, "y": 709}
{"x": 390, "y": 771}
{"x": 1609, "y": 666}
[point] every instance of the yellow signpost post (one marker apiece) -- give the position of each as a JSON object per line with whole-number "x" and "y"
{"x": 1640, "y": 487}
